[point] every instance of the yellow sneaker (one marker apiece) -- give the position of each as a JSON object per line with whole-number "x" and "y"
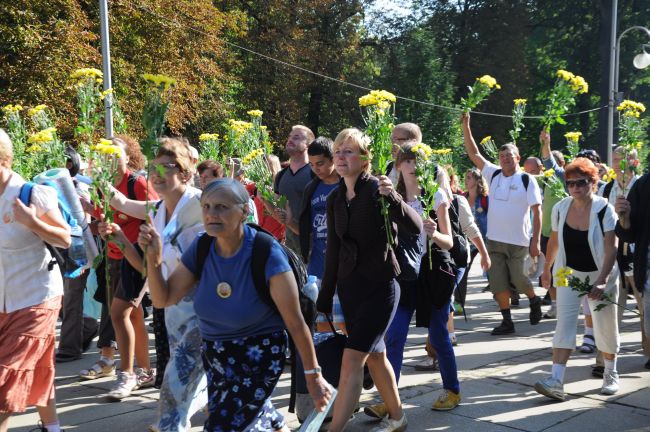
{"x": 448, "y": 400}
{"x": 378, "y": 411}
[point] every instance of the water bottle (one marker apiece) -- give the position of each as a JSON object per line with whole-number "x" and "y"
{"x": 311, "y": 288}
{"x": 77, "y": 250}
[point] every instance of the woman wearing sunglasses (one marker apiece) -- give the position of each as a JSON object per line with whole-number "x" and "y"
{"x": 583, "y": 240}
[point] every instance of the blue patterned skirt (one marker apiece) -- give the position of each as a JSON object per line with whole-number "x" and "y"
{"x": 242, "y": 374}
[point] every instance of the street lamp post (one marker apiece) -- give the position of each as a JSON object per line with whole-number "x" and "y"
{"x": 641, "y": 61}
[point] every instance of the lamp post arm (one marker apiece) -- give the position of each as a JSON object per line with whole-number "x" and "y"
{"x": 618, "y": 51}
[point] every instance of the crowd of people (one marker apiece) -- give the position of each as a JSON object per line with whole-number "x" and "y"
{"x": 225, "y": 314}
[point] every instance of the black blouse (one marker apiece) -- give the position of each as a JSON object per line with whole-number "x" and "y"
{"x": 576, "y": 248}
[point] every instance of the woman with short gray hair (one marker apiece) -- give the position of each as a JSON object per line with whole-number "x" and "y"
{"x": 244, "y": 338}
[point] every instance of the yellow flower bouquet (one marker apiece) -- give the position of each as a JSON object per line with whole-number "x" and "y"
{"x": 632, "y": 133}
{"x": 518, "y": 112}
{"x": 378, "y": 112}
{"x": 482, "y": 88}
{"x": 567, "y": 87}
{"x": 490, "y": 149}
{"x": 564, "y": 278}
{"x": 572, "y": 144}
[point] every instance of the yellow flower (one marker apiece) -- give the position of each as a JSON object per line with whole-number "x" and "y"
{"x": 579, "y": 84}
{"x": 639, "y": 145}
{"x": 561, "y": 276}
{"x": 573, "y": 136}
{"x": 44, "y": 136}
{"x": 549, "y": 173}
{"x": 208, "y": 137}
{"x": 489, "y": 81}
{"x": 12, "y": 109}
{"x": 382, "y": 105}
{"x": 255, "y": 113}
{"x": 486, "y": 139}
{"x": 105, "y": 93}
{"x": 422, "y": 150}
{"x": 33, "y": 148}
{"x": 158, "y": 80}
{"x": 565, "y": 75}
{"x": 105, "y": 142}
{"x": 381, "y": 98}
{"x": 86, "y": 73}
{"x": 37, "y": 109}
{"x": 520, "y": 101}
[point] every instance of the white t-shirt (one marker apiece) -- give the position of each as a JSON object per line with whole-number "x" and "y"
{"x": 509, "y": 218}
{"x": 438, "y": 199}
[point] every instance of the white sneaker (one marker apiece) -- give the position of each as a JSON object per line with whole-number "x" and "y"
{"x": 550, "y": 387}
{"x": 551, "y": 313}
{"x": 610, "y": 382}
{"x": 125, "y": 384}
{"x": 390, "y": 425}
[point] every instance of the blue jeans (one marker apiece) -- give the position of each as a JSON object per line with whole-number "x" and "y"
{"x": 438, "y": 336}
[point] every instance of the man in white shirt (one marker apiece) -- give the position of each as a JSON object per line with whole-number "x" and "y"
{"x": 514, "y": 197}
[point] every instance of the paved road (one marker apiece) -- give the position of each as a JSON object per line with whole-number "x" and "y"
{"x": 497, "y": 375}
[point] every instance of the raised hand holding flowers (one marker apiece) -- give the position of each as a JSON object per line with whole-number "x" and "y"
{"x": 553, "y": 184}
{"x": 482, "y": 88}
{"x": 567, "y": 87}
{"x": 378, "y": 111}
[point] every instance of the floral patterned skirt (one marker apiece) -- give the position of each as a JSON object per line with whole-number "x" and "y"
{"x": 242, "y": 374}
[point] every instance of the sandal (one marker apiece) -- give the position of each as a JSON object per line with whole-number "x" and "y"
{"x": 98, "y": 370}
{"x": 588, "y": 345}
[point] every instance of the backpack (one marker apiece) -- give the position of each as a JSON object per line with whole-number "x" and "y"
{"x": 485, "y": 203}
{"x": 69, "y": 267}
{"x": 525, "y": 178}
{"x": 261, "y": 250}
{"x": 607, "y": 190}
{"x": 408, "y": 252}
{"x": 458, "y": 251}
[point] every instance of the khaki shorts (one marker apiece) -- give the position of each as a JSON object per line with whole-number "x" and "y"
{"x": 507, "y": 267}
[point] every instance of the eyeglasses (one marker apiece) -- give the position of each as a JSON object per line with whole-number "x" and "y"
{"x": 577, "y": 183}
{"x": 161, "y": 168}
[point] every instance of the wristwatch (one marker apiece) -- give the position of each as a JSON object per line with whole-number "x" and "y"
{"x": 313, "y": 371}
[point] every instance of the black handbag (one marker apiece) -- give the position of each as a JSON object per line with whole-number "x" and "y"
{"x": 435, "y": 285}
{"x": 329, "y": 353}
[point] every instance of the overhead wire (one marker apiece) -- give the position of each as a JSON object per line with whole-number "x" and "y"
{"x": 169, "y": 21}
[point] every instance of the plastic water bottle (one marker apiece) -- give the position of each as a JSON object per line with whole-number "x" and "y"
{"x": 311, "y": 288}
{"x": 77, "y": 250}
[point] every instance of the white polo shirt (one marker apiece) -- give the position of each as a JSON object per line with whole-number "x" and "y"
{"x": 510, "y": 202}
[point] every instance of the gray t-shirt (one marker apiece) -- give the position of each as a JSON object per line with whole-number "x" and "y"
{"x": 292, "y": 185}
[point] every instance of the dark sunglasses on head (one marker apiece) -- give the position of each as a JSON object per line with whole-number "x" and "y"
{"x": 577, "y": 183}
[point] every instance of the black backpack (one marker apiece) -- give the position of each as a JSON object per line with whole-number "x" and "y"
{"x": 261, "y": 251}
{"x": 525, "y": 178}
{"x": 458, "y": 251}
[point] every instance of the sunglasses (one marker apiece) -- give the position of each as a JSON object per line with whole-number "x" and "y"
{"x": 577, "y": 183}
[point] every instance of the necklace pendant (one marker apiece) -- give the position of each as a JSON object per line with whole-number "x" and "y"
{"x": 224, "y": 290}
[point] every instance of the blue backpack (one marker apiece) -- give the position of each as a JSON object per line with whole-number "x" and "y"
{"x": 70, "y": 267}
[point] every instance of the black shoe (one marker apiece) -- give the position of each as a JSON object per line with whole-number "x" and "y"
{"x": 486, "y": 289}
{"x": 597, "y": 371}
{"x": 535, "y": 315}
{"x": 514, "y": 301}
{"x": 65, "y": 358}
{"x": 506, "y": 327}
{"x": 647, "y": 364}
{"x": 546, "y": 301}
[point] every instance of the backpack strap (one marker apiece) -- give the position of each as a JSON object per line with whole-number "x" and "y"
{"x": 261, "y": 252}
{"x": 601, "y": 216}
{"x": 202, "y": 252}
{"x": 130, "y": 186}
{"x": 608, "y": 189}
{"x": 25, "y": 196}
{"x": 494, "y": 174}
{"x": 278, "y": 177}
{"x": 525, "y": 178}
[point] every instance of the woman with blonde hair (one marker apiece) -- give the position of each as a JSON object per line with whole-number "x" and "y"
{"x": 361, "y": 266}
{"x": 30, "y": 294}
